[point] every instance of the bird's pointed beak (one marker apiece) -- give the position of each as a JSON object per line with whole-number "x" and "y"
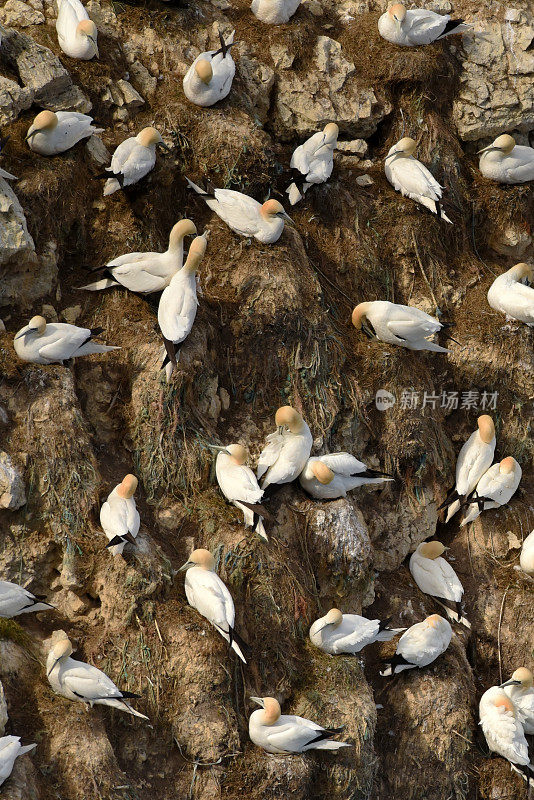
{"x": 323, "y": 626}
{"x": 287, "y": 218}
{"x": 217, "y": 448}
{"x": 511, "y": 682}
{"x": 53, "y": 667}
{"x": 394, "y": 153}
{"x": 280, "y": 430}
{"x": 258, "y": 701}
{"x": 95, "y": 46}
{"x": 25, "y": 333}
{"x": 29, "y": 136}
{"x": 186, "y": 566}
{"x": 487, "y": 149}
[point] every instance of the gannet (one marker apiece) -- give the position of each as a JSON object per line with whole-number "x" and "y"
{"x": 178, "y": 304}
{"x": 510, "y": 296}
{"x": 285, "y": 733}
{"x": 287, "y": 451}
{"x": 412, "y": 179}
{"x": 10, "y": 749}
{"x": 274, "y": 12}
{"x": 313, "y": 161}
{"x": 238, "y": 484}
{"x": 146, "y": 272}
{"x": 526, "y": 558}
{"x": 520, "y": 690}
{"x": 420, "y": 645}
{"x": 206, "y": 592}
{"x": 79, "y": 681}
{"x": 7, "y": 176}
{"x": 417, "y": 26}
{"x": 436, "y": 577}
{"x": 405, "y": 326}
{"x": 52, "y": 133}
{"x": 505, "y": 161}
{"x": 119, "y": 517}
{"x": 45, "y": 343}
{"x": 76, "y": 33}
{"x": 503, "y": 730}
{"x": 244, "y": 215}
{"x": 15, "y": 600}
{"x": 337, "y": 633}
{"x": 494, "y": 489}
{"x": 209, "y": 78}
{"x": 132, "y": 160}
{"x": 474, "y": 459}
{"x": 334, "y": 474}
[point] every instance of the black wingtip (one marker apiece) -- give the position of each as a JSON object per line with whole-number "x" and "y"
{"x": 96, "y": 331}
{"x": 451, "y": 25}
{"x": 130, "y": 695}
{"x": 115, "y": 541}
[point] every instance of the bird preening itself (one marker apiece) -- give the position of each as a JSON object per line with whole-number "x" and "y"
{"x": 504, "y": 732}
{"x": 412, "y": 179}
{"x": 145, "y": 273}
{"x": 338, "y": 633}
{"x": 209, "y": 78}
{"x": 509, "y": 295}
{"x": 312, "y": 162}
{"x": 435, "y": 577}
{"x": 285, "y": 733}
{"x": 52, "y": 133}
{"x": 494, "y": 489}
{"x": 392, "y": 323}
{"x": 206, "y": 592}
{"x": 40, "y": 342}
{"x": 76, "y": 33}
{"x": 520, "y": 690}
{"x": 417, "y": 26}
{"x": 119, "y": 516}
{"x": 244, "y": 215}
{"x": 132, "y": 160}
{"x": 505, "y": 161}
{"x": 420, "y": 645}
{"x": 334, "y": 474}
{"x": 287, "y": 450}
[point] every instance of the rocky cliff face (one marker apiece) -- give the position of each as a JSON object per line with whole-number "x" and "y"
{"x": 273, "y": 327}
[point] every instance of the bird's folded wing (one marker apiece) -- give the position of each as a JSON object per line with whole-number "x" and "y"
{"x": 269, "y": 454}
{"x": 127, "y": 260}
{"x": 90, "y": 682}
{"x": 240, "y": 484}
{"x": 133, "y": 519}
{"x": 292, "y": 736}
{"x": 139, "y": 162}
{"x": 506, "y": 732}
{"x": 61, "y": 346}
{"x": 213, "y": 599}
{"x": 238, "y": 210}
{"x": 496, "y": 488}
{"x": 415, "y": 178}
{"x": 343, "y": 463}
{"x": 409, "y": 329}
{"x": 301, "y": 159}
{"x": 422, "y": 21}
{"x": 451, "y": 581}
{"x": 353, "y": 633}
{"x": 122, "y": 153}
{"x": 114, "y": 519}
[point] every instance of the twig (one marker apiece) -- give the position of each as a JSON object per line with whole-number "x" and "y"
{"x": 423, "y": 271}
{"x": 499, "y": 633}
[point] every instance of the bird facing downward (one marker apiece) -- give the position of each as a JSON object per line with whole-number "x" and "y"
{"x": 119, "y": 516}
{"x": 392, "y": 323}
{"x": 287, "y": 450}
{"x": 313, "y": 162}
{"x": 285, "y": 733}
{"x": 504, "y": 732}
{"x": 495, "y": 488}
{"x": 435, "y": 577}
{"x": 238, "y": 484}
{"x": 509, "y": 295}
{"x": 76, "y": 33}
{"x": 412, "y": 179}
{"x": 209, "y": 78}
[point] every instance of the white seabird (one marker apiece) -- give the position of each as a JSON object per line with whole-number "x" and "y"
{"x": 510, "y": 296}
{"x": 132, "y": 160}
{"x": 10, "y": 749}
{"x": 313, "y": 161}
{"x": 436, "y": 577}
{"x": 178, "y": 304}
{"x": 76, "y": 33}
{"x": 520, "y": 690}
{"x": 334, "y": 474}
{"x": 338, "y": 633}
{"x": 209, "y": 78}
{"x": 206, "y": 592}
{"x": 474, "y": 459}
{"x": 287, "y": 450}
{"x": 526, "y": 558}
{"x": 392, "y": 323}
{"x": 238, "y": 484}
{"x": 274, "y": 12}
{"x": 51, "y": 133}
{"x": 15, "y": 600}
{"x": 505, "y": 161}
{"x": 412, "y": 179}
{"x": 504, "y": 732}
{"x": 244, "y": 215}
{"x": 119, "y": 516}
{"x": 146, "y": 272}
{"x": 285, "y": 733}
{"x": 417, "y": 26}
{"x": 494, "y": 489}
{"x": 420, "y": 645}
{"x": 82, "y": 682}
{"x": 40, "y": 342}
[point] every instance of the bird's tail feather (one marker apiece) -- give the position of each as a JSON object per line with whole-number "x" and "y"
{"x": 387, "y": 634}
{"x": 26, "y": 749}
{"x": 89, "y": 348}
{"x": 293, "y": 193}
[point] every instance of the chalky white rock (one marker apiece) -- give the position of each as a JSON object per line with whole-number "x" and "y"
{"x": 52, "y": 133}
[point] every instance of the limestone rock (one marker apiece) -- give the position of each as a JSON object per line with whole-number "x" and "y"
{"x": 258, "y": 79}
{"x": 13, "y": 100}
{"x": 126, "y": 99}
{"x": 17, "y": 250}
{"x": 12, "y": 494}
{"x": 3, "y": 711}
{"x": 20, "y": 14}
{"x": 97, "y": 151}
{"x": 306, "y": 102}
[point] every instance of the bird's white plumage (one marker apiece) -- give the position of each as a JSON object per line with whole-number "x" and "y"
{"x": 315, "y": 161}
{"x": 421, "y": 644}
{"x": 502, "y": 729}
{"x": 178, "y": 306}
{"x": 207, "y": 593}
{"x": 59, "y": 342}
{"x": 238, "y": 482}
{"x": 474, "y": 459}
{"x": 284, "y": 457}
{"x": 131, "y": 160}
{"x": 352, "y": 635}
{"x": 526, "y": 558}
{"x": 274, "y": 12}
{"x": 71, "y": 128}
{"x": 412, "y": 179}
{"x": 495, "y": 488}
{"x": 289, "y": 734}
{"x": 348, "y": 475}
{"x": 405, "y": 326}
{"x": 436, "y": 577}
{"x": 511, "y": 297}
{"x": 10, "y": 749}
{"x": 523, "y": 700}
{"x": 118, "y": 517}
{"x": 420, "y": 26}
{"x": 15, "y": 600}
{"x": 515, "y": 167}
{"x": 70, "y": 14}
{"x": 223, "y": 68}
